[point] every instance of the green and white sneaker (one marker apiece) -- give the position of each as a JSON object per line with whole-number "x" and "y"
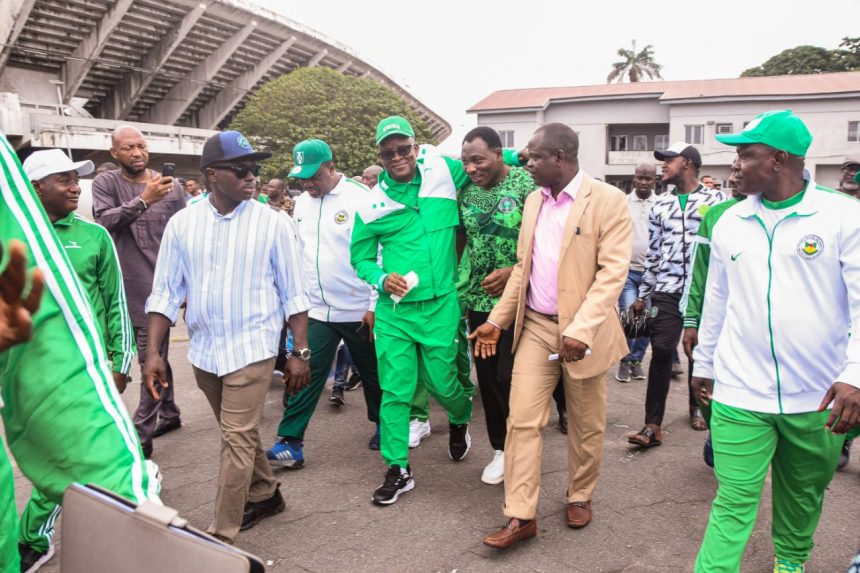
{"x": 783, "y": 566}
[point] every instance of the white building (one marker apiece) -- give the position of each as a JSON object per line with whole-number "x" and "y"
{"x": 620, "y": 125}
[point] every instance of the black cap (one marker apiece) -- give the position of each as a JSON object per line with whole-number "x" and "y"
{"x": 679, "y": 148}
{"x": 227, "y": 146}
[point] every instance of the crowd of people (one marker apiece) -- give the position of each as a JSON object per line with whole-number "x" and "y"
{"x": 517, "y": 258}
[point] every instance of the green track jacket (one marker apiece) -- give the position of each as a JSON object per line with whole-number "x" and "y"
{"x": 93, "y": 256}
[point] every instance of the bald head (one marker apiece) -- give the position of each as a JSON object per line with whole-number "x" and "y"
{"x": 275, "y": 189}
{"x": 370, "y": 176}
{"x": 128, "y": 148}
{"x": 559, "y": 137}
{"x": 646, "y": 168}
{"x": 643, "y": 179}
{"x": 124, "y": 132}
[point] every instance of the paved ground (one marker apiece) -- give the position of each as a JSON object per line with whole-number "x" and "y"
{"x": 650, "y": 509}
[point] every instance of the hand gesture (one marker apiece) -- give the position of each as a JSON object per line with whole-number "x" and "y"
{"x": 638, "y": 306}
{"x": 494, "y": 283}
{"x": 486, "y": 339}
{"x": 690, "y": 341}
{"x": 369, "y": 320}
{"x": 395, "y": 284}
{"x": 157, "y": 188}
{"x": 845, "y": 414}
{"x": 298, "y": 374}
{"x": 17, "y": 310}
{"x": 119, "y": 380}
{"x": 154, "y": 375}
{"x": 572, "y": 349}
{"x": 703, "y": 389}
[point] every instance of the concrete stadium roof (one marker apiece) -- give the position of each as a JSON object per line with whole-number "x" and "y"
{"x": 172, "y": 62}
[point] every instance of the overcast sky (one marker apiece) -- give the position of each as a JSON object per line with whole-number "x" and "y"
{"x": 451, "y": 54}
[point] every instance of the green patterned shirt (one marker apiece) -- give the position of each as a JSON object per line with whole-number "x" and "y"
{"x": 491, "y": 220}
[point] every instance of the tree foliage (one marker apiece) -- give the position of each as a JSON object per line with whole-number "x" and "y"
{"x": 635, "y": 65}
{"x": 324, "y": 104}
{"x": 811, "y": 60}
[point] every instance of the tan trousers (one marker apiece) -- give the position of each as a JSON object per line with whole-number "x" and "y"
{"x": 534, "y": 379}
{"x": 244, "y": 474}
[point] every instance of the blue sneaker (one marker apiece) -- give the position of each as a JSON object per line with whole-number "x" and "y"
{"x": 374, "y": 440}
{"x": 286, "y": 455}
{"x": 708, "y": 452}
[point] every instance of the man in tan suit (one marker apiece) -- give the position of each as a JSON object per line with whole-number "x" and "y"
{"x": 572, "y": 258}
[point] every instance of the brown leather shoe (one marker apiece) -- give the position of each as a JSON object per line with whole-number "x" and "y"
{"x": 511, "y": 534}
{"x": 578, "y": 514}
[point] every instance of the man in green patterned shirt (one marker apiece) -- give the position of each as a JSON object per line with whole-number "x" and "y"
{"x": 491, "y": 211}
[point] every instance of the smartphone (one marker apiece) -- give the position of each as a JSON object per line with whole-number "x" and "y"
{"x": 168, "y": 169}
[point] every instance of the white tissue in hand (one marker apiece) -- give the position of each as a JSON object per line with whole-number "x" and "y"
{"x": 411, "y": 281}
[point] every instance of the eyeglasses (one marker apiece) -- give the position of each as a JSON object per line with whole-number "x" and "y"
{"x": 240, "y": 171}
{"x": 402, "y": 151}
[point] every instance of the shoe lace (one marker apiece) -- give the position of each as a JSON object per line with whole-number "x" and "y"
{"x": 783, "y": 566}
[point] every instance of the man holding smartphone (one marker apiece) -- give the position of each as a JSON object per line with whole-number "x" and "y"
{"x": 342, "y": 305}
{"x": 134, "y": 204}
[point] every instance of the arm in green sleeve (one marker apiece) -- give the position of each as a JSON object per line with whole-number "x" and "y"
{"x": 363, "y": 251}
{"x": 694, "y": 297}
{"x": 458, "y": 174}
{"x": 119, "y": 337}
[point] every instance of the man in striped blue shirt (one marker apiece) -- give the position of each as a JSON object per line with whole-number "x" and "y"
{"x": 236, "y": 263}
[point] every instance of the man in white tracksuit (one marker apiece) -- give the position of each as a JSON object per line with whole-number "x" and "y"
{"x": 782, "y": 292}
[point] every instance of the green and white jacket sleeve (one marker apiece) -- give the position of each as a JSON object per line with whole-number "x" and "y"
{"x": 364, "y": 254}
{"x": 118, "y": 335}
{"x": 458, "y": 174}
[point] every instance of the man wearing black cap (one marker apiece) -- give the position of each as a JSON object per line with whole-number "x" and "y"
{"x": 673, "y": 224}
{"x": 235, "y": 261}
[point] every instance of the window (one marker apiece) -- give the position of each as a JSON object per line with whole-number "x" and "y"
{"x": 507, "y": 138}
{"x": 640, "y": 143}
{"x": 617, "y": 143}
{"x": 661, "y": 141}
{"x": 694, "y": 134}
{"x": 854, "y": 131}
{"x": 725, "y": 128}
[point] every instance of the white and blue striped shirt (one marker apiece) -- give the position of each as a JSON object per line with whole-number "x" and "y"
{"x": 241, "y": 276}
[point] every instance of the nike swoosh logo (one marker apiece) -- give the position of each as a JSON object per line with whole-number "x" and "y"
{"x": 736, "y": 255}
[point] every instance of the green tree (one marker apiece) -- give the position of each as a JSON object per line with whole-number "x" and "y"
{"x": 808, "y": 60}
{"x": 635, "y": 65}
{"x": 324, "y": 104}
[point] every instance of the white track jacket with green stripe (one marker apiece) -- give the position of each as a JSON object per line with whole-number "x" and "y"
{"x": 779, "y": 306}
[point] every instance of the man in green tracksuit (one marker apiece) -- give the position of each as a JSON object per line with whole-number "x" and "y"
{"x": 91, "y": 251}
{"x": 774, "y": 350}
{"x": 412, "y": 214}
{"x": 64, "y": 421}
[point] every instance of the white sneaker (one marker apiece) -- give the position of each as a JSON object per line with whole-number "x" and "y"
{"x": 495, "y": 471}
{"x": 418, "y": 430}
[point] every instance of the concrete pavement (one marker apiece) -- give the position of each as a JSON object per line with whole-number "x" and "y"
{"x": 650, "y": 509}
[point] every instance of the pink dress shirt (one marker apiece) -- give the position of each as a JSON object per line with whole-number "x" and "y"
{"x": 549, "y": 230}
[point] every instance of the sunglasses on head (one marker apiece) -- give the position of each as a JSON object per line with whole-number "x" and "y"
{"x": 240, "y": 171}
{"x": 401, "y": 150}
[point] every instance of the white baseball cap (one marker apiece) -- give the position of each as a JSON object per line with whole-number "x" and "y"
{"x": 40, "y": 164}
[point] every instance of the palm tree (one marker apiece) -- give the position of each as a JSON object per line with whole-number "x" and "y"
{"x": 636, "y": 65}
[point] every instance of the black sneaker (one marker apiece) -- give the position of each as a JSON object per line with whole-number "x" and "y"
{"x": 395, "y": 483}
{"x": 257, "y": 510}
{"x": 336, "y": 397}
{"x": 459, "y": 441}
{"x": 32, "y": 559}
{"x": 353, "y": 383}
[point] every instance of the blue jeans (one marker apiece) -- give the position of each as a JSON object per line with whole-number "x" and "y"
{"x": 342, "y": 367}
{"x": 637, "y": 346}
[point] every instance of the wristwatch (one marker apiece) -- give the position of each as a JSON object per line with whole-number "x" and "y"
{"x": 303, "y": 354}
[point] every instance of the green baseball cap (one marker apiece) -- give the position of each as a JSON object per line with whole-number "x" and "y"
{"x": 393, "y": 125}
{"x": 780, "y": 129}
{"x": 308, "y": 155}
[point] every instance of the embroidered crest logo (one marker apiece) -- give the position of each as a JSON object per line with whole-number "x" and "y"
{"x": 341, "y": 217}
{"x": 506, "y": 205}
{"x": 242, "y": 142}
{"x": 810, "y": 247}
{"x": 300, "y": 157}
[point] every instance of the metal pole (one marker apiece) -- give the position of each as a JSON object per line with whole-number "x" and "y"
{"x": 59, "y": 84}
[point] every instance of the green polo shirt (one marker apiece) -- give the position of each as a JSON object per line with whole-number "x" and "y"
{"x": 93, "y": 256}
{"x": 491, "y": 219}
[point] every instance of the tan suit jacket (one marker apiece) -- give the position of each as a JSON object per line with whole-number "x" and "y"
{"x": 592, "y": 269}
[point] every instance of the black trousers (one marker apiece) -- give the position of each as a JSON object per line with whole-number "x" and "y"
{"x": 666, "y": 329}
{"x": 494, "y": 382}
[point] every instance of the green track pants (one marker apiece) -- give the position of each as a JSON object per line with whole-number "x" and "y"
{"x": 421, "y": 401}
{"x": 65, "y": 423}
{"x": 802, "y": 456}
{"x": 417, "y": 340}
{"x": 323, "y": 338}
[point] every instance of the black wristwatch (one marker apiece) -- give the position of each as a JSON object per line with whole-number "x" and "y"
{"x": 303, "y": 354}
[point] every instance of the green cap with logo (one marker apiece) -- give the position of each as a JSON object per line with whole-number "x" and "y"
{"x": 780, "y": 129}
{"x": 393, "y": 125}
{"x": 308, "y": 155}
